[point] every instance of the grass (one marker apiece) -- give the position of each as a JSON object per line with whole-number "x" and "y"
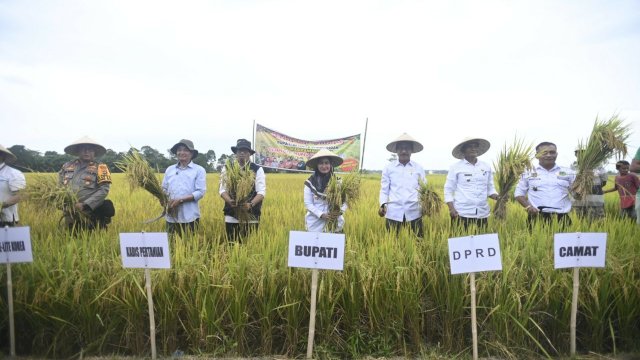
{"x": 395, "y": 297}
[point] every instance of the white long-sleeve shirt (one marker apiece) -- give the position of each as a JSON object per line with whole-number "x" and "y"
{"x": 549, "y": 188}
{"x": 399, "y": 190}
{"x": 468, "y": 186}
{"x": 317, "y": 206}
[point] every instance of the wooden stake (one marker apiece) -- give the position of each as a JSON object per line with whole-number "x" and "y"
{"x": 312, "y": 315}
{"x": 12, "y": 330}
{"x": 152, "y": 320}
{"x": 474, "y": 327}
{"x": 574, "y": 309}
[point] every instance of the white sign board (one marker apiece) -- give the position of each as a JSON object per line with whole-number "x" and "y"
{"x": 316, "y": 250}
{"x": 15, "y": 245}
{"x": 475, "y": 253}
{"x": 579, "y": 250}
{"x": 145, "y": 250}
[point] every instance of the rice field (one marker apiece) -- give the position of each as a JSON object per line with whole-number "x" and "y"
{"x": 395, "y": 296}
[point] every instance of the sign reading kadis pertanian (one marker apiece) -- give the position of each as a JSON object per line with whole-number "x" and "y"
{"x": 475, "y": 254}
{"x": 316, "y": 250}
{"x": 145, "y": 250}
{"x": 15, "y": 245}
{"x": 579, "y": 250}
{"x": 279, "y": 151}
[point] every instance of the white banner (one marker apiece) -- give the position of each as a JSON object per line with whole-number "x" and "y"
{"x": 579, "y": 250}
{"x": 15, "y": 245}
{"x": 316, "y": 250}
{"x": 475, "y": 253}
{"x": 145, "y": 250}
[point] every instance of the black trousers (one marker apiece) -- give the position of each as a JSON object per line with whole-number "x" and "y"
{"x": 563, "y": 219}
{"x": 415, "y": 225}
{"x": 466, "y": 222}
{"x": 182, "y": 228}
{"x": 8, "y": 223}
{"x": 237, "y": 232}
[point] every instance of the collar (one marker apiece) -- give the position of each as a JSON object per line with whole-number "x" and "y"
{"x": 188, "y": 165}
{"x": 398, "y": 163}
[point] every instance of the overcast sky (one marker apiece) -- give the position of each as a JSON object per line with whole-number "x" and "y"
{"x": 152, "y": 72}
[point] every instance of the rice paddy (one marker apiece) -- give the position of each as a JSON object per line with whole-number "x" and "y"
{"x": 395, "y": 297}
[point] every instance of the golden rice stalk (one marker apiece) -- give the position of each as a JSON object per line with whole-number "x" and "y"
{"x": 512, "y": 162}
{"x": 341, "y": 190}
{"x": 141, "y": 175}
{"x": 46, "y": 192}
{"x": 608, "y": 138}
{"x": 430, "y": 201}
{"x": 239, "y": 182}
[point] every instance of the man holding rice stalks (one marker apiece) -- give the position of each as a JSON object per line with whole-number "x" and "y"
{"x": 592, "y": 205}
{"x": 90, "y": 181}
{"x": 185, "y": 184}
{"x": 544, "y": 191}
{"x": 400, "y": 183}
{"x": 242, "y": 187}
{"x": 627, "y": 185}
{"x": 11, "y": 182}
{"x": 469, "y": 183}
{"x": 323, "y": 212}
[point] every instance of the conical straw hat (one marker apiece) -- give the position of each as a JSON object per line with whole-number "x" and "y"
{"x": 483, "y": 146}
{"x": 9, "y": 155}
{"x": 417, "y": 147}
{"x": 74, "y": 148}
{"x": 322, "y": 153}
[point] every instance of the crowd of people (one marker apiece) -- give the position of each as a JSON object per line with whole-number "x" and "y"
{"x": 544, "y": 192}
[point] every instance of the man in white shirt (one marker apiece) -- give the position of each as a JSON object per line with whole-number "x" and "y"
{"x": 399, "y": 199}
{"x": 469, "y": 183}
{"x": 544, "y": 192}
{"x": 11, "y": 182}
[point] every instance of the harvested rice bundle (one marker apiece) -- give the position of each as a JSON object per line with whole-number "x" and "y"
{"x": 608, "y": 138}
{"x": 239, "y": 181}
{"x": 46, "y": 192}
{"x": 340, "y": 190}
{"x": 512, "y": 163}
{"x": 430, "y": 201}
{"x": 141, "y": 175}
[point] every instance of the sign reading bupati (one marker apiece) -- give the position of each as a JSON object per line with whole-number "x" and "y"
{"x": 316, "y": 250}
{"x": 579, "y": 250}
{"x": 145, "y": 250}
{"x": 475, "y": 253}
{"x": 279, "y": 151}
{"x": 15, "y": 245}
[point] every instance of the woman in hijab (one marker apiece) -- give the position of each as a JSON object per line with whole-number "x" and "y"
{"x": 315, "y": 198}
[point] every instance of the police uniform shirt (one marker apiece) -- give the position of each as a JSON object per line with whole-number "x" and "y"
{"x": 548, "y": 188}
{"x": 180, "y": 182}
{"x": 261, "y": 189}
{"x": 90, "y": 181}
{"x": 468, "y": 186}
{"x": 11, "y": 181}
{"x": 399, "y": 190}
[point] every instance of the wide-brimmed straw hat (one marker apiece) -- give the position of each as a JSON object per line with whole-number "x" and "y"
{"x": 74, "y": 148}
{"x": 483, "y": 146}
{"x": 9, "y": 157}
{"x": 188, "y": 144}
{"x": 324, "y": 153}
{"x": 417, "y": 147}
{"x": 243, "y": 144}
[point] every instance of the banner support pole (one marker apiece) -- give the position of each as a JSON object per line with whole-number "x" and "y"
{"x": 312, "y": 315}
{"x": 364, "y": 144}
{"x": 474, "y": 324}
{"x": 574, "y": 309}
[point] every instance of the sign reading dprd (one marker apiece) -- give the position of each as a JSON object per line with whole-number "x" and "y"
{"x": 474, "y": 254}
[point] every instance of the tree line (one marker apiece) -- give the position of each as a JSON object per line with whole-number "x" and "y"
{"x": 50, "y": 161}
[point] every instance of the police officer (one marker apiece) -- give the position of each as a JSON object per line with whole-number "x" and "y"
{"x": 90, "y": 181}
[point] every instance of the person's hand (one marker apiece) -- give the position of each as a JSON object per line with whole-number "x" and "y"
{"x": 232, "y": 203}
{"x": 247, "y": 206}
{"x": 453, "y": 213}
{"x": 494, "y": 196}
{"x": 324, "y": 216}
{"x": 382, "y": 211}
{"x": 79, "y": 206}
{"x": 175, "y": 203}
{"x": 532, "y": 210}
{"x": 333, "y": 215}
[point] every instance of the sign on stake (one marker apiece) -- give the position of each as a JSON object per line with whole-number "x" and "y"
{"x": 147, "y": 251}
{"x": 15, "y": 248}
{"x": 576, "y": 250}
{"x": 315, "y": 250}
{"x": 471, "y": 254}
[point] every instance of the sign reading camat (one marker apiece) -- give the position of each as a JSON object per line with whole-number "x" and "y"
{"x": 474, "y": 253}
{"x": 315, "y": 250}
{"x": 15, "y": 245}
{"x": 145, "y": 250}
{"x": 579, "y": 250}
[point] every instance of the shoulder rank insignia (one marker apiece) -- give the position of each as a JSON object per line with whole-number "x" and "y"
{"x": 104, "y": 176}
